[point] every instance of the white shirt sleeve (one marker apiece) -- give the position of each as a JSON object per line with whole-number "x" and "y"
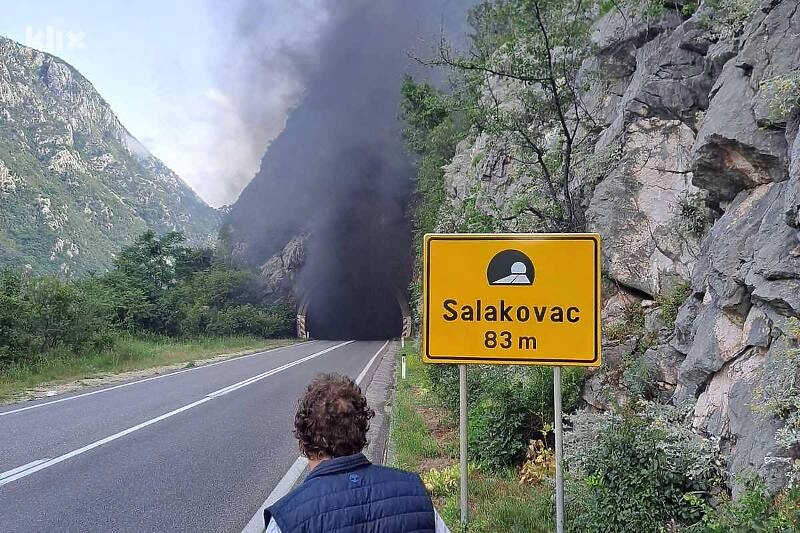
{"x": 441, "y": 527}
{"x": 273, "y": 527}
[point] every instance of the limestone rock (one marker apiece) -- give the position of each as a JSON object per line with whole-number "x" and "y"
{"x": 280, "y": 271}
{"x": 636, "y": 207}
{"x": 664, "y": 362}
{"x": 733, "y": 151}
{"x": 691, "y": 105}
{"x": 757, "y": 329}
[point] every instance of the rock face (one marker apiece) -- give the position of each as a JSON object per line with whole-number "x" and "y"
{"x": 282, "y": 269}
{"x": 699, "y": 194}
{"x": 75, "y": 186}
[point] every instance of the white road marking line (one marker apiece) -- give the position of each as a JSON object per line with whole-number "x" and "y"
{"x": 256, "y": 523}
{"x": 21, "y": 468}
{"x": 363, "y": 373}
{"x": 50, "y": 462}
{"x": 4, "y": 413}
{"x": 285, "y": 484}
{"x": 246, "y": 382}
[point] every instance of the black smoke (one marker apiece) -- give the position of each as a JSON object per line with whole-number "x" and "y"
{"x": 339, "y": 172}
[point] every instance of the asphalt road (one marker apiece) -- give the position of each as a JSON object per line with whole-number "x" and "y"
{"x": 196, "y": 450}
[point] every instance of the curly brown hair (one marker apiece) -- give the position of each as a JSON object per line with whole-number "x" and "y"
{"x": 332, "y": 418}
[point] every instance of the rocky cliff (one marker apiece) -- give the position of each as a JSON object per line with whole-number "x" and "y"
{"x": 694, "y": 183}
{"x": 75, "y": 186}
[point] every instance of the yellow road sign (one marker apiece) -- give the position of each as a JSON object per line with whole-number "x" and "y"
{"x": 512, "y": 299}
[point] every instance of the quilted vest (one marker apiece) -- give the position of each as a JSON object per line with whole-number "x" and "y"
{"x": 350, "y": 494}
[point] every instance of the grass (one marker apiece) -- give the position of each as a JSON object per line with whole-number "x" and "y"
{"x": 671, "y": 302}
{"x": 126, "y": 353}
{"x": 426, "y": 437}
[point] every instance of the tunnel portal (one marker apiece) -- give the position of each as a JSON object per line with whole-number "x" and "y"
{"x": 355, "y": 313}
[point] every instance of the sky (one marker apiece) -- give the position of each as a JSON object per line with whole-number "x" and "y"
{"x": 177, "y": 73}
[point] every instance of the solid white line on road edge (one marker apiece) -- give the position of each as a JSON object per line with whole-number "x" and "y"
{"x": 4, "y": 413}
{"x": 285, "y": 484}
{"x": 21, "y": 468}
{"x": 363, "y": 373}
{"x": 50, "y": 462}
{"x": 256, "y": 524}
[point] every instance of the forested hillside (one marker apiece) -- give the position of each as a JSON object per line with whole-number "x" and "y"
{"x": 75, "y": 185}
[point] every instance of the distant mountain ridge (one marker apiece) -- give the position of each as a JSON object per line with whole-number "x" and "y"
{"x": 75, "y": 185}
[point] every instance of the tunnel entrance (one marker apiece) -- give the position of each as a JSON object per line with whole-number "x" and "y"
{"x": 352, "y": 285}
{"x": 354, "y": 311}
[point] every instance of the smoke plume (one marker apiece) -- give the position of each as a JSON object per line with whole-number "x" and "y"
{"x": 338, "y": 171}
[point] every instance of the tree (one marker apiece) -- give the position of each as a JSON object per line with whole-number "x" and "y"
{"x": 143, "y": 273}
{"x": 528, "y": 54}
{"x": 433, "y": 128}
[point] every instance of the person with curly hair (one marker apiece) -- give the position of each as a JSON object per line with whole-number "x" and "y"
{"x": 344, "y": 491}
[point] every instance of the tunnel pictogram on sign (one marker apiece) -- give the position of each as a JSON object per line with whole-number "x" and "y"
{"x": 510, "y": 267}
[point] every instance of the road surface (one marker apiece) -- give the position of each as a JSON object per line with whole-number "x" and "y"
{"x": 196, "y": 450}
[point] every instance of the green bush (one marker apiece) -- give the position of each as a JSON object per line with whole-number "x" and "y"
{"x": 638, "y": 471}
{"x": 43, "y": 314}
{"x": 754, "y": 510}
{"x": 670, "y": 301}
{"x": 632, "y": 486}
{"x": 695, "y": 216}
{"x": 247, "y": 320}
{"x": 500, "y": 425}
{"x": 507, "y": 406}
{"x": 157, "y": 287}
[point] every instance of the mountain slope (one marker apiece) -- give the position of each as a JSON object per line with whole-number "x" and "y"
{"x": 75, "y": 186}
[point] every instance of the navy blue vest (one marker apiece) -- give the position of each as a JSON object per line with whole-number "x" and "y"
{"x": 350, "y": 494}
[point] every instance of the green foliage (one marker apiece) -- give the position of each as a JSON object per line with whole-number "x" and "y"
{"x": 634, "y": 471}
{"x": 784, "y": 95}
{"x": 475, "y": 220}
{"x": 730, "y": 16}
{"x": 694, "y": 213}
{"x": 41, "y": 314}
{"x": 498, "y": 426}
{"x": 442, "y": 482}
{"x": 435, "y": 122}
{"x": 632, "y": 323}
{"x": 434, "y": 125}
{"x": 527, "y": 56}
{"x": 157, "y": 286}
{"x": 250, "y": 320}
{"x": 637, "y": 375}
{"x": 778, "y": 395}
{"x": 754, "y": 510}
{"x": 508, "y": 406}
{"x": 671, "y": 300}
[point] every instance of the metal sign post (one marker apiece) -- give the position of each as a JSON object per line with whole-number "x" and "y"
{"x": 511, "y": 299}
{"x": 462, "y": 445}
{"x": 559, "y": 449}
